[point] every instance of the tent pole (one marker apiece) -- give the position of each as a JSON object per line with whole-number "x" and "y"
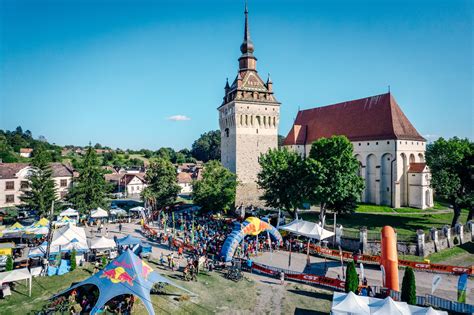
{"x": 308, "y": 261}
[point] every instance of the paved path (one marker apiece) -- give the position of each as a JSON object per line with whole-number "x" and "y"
{"x": 447, "y": 288}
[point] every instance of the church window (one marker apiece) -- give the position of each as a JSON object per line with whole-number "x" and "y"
{"x": 388, "y": 142}
{"x": 241, "y": 120}
{"x": 264, "y": 120}
{"x": 376, "y": 143}
{"x": 359, "y": 144}
{"x": 246, "y": 120}
{"x": 274, "y": 121}
{"x": 257, "y": 131}
{"x": 265, "y": 108}
{"x": 227, "y": 132}
{"x": 368, "y": 143}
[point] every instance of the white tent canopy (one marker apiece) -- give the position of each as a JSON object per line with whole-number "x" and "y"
{"x": 306, "y": 228}
{"x": 99, "y": 213}
{"x": 137, "y": 209}
{"x": 118, "y": 212}
{"x": 70, "y": 236}
{"x": 351, "y": 304}
{"x": 16, "y": 275}
{"x": 102, "y": 243}
{"x": 69, "y": 212}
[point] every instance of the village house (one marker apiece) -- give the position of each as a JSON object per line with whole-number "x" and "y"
{"x": 390, "y": 151}
{"x": 14, "y": 181}
{"x": 130, "y": 184}
{"x": 26, "y": 152}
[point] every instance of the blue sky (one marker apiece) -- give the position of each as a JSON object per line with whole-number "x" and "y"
{"x": 114, "y": 71}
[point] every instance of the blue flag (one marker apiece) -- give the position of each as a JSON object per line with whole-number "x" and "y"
{"x": 462, "y": 286}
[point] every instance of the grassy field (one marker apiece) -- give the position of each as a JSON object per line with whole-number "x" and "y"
{"x": 369, "y": 208}
{"x": 404, "y": 223}
{"x": 462, "y": 255}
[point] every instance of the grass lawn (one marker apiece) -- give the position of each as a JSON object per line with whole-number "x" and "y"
{"x": 462, "y": 255}
{"x": 369, "y": 208}
{"x": 404, "y": 223}
{"x": 42, "y": 288}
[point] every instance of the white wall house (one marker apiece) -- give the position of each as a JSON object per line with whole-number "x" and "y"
{"x": 133, "y": 184}
{"x": 185, "y": 181}
{"x": 385, "y": 143}
{"x": 14, "y": 181}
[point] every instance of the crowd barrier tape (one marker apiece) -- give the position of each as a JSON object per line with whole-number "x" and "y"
{"x": 301, "y": 277}
{"x": 406, "y": 263}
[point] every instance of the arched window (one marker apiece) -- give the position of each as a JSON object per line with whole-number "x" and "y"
{"x": 226, "y": 132}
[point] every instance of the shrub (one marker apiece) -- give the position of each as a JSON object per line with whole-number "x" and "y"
{"x": 73, "y": 259}
{"x": 9, "y": 264}
{"x": 409, "y": 287}
{"x": 104, "y": 261}
{"x": 352, "y": 278}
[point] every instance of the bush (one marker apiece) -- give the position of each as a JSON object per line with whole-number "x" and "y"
{"x": 352, "y": 278}
{"x": 73, "y": 259}
{"x": 409, "y": 287}
{"x": 9, "y": 264}
{"x": 104, "y": 261}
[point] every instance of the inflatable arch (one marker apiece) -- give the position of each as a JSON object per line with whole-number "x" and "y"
{"x": 251, "y": 226}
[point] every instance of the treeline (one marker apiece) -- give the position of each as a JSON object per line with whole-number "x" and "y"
{"x": 12, "y": 141}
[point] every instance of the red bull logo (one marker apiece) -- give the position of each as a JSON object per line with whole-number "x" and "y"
{"x": 118, "y": 275}
{"x": 146, "y": 270}
{"x": 255, "y": 226}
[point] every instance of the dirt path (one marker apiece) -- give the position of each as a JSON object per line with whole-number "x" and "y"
{"x": 270, "y": 295}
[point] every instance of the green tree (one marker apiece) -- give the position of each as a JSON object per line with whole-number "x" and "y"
{"x": 42, "y": 191}
{"x": 332, "y": 173}
{"x": 452, "y": 167}
{"x": 90, "y": 189}
{"x": 216, "y": 190}
{"x": 162, "y": 183}
{"x": 73, "y": 259}
{"x": 352, "y": 278}
{"x": 408, "y": 293}
{"x": 104, "y": 262}
{"x": 166, "y": 153}
{"x": 9, "y": 263}
{"x": 7, "y": 155}
{"x": 281, "y": 178}
{"x": 207, "y": 147}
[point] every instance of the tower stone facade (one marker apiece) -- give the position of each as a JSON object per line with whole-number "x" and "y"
{"x": 248, "y": 119}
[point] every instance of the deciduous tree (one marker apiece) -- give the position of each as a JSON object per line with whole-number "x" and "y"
{"x": 216, "y": 190}
{"x": 332, "y": 174}
{"x": 452, "y": 167}
{"x": 162, "y": 187}
{"x": 282, "y": 178}
{"x": 207, "y": 147}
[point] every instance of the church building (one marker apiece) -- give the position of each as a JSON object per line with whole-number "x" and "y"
{"x": 390, "y": 151}
{"x": 248, "y": 120}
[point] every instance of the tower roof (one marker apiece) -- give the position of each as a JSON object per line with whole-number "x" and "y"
{"x": 247, "y": 44}
{"x": 372, "y": 118}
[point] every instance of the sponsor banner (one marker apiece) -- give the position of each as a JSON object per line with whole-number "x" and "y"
{"x": 313, "y": 279}
{"x": 401, "y": 262}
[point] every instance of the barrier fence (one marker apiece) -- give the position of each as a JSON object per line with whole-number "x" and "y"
{"x": 406, "y": 263}
{"x": 373, "y": 259}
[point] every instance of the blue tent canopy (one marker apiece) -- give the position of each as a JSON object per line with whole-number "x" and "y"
{"x": 129, "y": 240}
{"x": 126, "y": 274}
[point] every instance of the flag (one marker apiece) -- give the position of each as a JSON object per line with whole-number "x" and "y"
{"x": 192, "y": 230}
{"x": 435, "y": 283}
{"x": 362, "y": 272}
{"x": 383, "y": 274}
{"x": 462, "y": 286}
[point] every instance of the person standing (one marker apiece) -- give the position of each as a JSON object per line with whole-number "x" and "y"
{"x": 282, "y": 278}
{"x": 120, "y": 227}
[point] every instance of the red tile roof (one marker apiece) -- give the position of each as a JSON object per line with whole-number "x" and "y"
{"x": 184, "y": 178}
{"x": 373, "y": 118}
{"x": 26, "y": 150}
{"x": 417, "y": 168}
{"x": 9, "y": 170}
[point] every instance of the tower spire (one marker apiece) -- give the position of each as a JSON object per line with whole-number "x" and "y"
{"x": 247, "y": 60}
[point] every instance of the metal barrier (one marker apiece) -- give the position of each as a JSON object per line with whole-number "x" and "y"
{"x": 431, "y": 300}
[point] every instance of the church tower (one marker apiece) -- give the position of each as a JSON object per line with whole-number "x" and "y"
{"x": 248, "y": 120}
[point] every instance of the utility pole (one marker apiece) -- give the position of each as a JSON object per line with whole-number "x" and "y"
{"x": 48, "y": 238}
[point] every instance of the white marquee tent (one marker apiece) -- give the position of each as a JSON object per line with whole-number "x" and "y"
{"x": 351, "y": 304}
{"x": 102, "y": 243}
{"x": 99, "y": 213}
{"x": 65, "y": 239}
{"x": 306, "y": 228}
{"x": 69, "y": 212}
{"x": 16, "y": 275}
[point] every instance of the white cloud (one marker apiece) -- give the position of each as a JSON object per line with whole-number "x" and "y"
{"x": 178, "y": 118}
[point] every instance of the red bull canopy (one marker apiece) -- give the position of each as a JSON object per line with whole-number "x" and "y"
{"x": 126, "y": 274}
